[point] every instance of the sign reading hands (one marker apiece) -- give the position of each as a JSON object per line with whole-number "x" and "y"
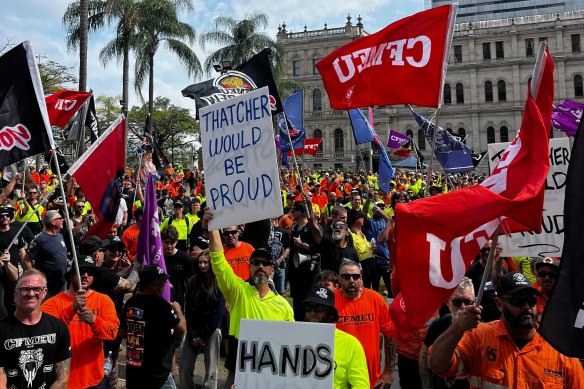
{"x": 239, "y": 157}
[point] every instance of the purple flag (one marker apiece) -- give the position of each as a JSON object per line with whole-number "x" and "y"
{"x": 395, "y": 140}
{"x": 149, "y": 242}
{"x": 566, "y": 116}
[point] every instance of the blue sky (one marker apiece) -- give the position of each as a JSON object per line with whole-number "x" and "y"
{"x": 39, "y": 21}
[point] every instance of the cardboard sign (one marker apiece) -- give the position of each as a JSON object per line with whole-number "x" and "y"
{"x": 281, "y": 354}
{"x": 239, "y": 156}
{"x": 551, "y": 239}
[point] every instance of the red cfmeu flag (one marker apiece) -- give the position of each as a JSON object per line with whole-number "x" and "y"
{"x": 310, "y": 147}
{"x": 63, "y": 105}
{"x": 404, "y": 63}
{"x": 100, "y": 172}
{"x": 438, "y": 237}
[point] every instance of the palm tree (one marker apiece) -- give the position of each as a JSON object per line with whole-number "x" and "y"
{"x": 240, "y": 39}
{"x": 157, "y": 21}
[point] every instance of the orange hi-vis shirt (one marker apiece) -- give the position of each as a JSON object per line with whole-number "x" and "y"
{"x": 86, "y": 341}
{"x": 490, "y": 359}
{"x": 238, "y": 259}
{"x": 130, "y": 239}
{"x": 320, "y": 200}
{"x": 365, "y": 318}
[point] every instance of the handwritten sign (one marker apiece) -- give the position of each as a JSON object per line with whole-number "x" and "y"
{"x": 239, "y": 157}
{"x": 281, "y": 354}
{"x": 551, "y": 239}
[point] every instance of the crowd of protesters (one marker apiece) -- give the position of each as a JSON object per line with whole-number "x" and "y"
{"x": 329, "y": 258}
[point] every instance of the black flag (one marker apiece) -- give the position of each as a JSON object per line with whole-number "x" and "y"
{"x": 24, "y": 122}
{"x": 562, "y": 323}
{"x": 477, "y": 158}
{"x": 253, "y": 74}
{"x": 91, "y": 120}
{"x": 149, "y": 145}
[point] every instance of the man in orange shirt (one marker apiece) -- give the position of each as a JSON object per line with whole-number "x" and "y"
{"x": 237, "y": 253}
{"x": 319, "y": 197}
{"x": 130, "y": 235}
{"x": 506, "y": 353}
{"x": 363, "y": 313}
{"x": 546, "y": 273}
{"x": 91, "y": 319}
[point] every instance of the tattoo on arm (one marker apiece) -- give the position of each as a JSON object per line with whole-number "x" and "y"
{"x": 390, "y": 348}
{"x": 61, "y": 374}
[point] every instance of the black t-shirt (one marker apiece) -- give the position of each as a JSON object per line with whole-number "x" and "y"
{"x": 197, "y": 236}
{"x": 331, "y": 255}
{"x": 148, "y": 320}
{"x": 26, "y": 234}
{"x": 50, "y": 255}
{"x": 6, "y": 285}
{"x": 28, "y": 353}
{"x": 179, "y": 268}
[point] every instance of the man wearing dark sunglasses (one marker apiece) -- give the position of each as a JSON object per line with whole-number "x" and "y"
{"x": 506, "y": 353}
{"x": 350, "y": 362}
{"x": 237, "y": 253}
{"x": 364, "y": 314}
{"x": 546, "y": 273}
{"x": 246, "y": 300}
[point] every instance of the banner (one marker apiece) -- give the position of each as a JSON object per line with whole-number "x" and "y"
{"x": 548, "y": 242}
{"x": 453, "y": 155}
{"x": 100, "y": 173}
{"x": 310, "y": 147}
{"x": 562, "y": 323}
{"x": 149, "y": 247}
{"x": 25, "y": 129}
{"x": 567, "y": 115}
{"x": 62, "y": 105}
{"x": 91, "y": 120}
{"x": 405, "y": 63}
{"x": 477, "y": 158}
{"x": 304, "y": 358}
{"x": 433, "y": 252}
{"x": 239, "y": 156}
{"x": 395, "y": 140}
{"x": 251, "y": 75}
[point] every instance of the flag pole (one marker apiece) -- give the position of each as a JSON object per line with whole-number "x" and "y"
{"x": 67, "y": 220}
{"x": 488, "y": 266}
{"x": 295, "y": 163}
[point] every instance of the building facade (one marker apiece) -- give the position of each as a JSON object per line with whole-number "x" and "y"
{"x": 485, "y": 89}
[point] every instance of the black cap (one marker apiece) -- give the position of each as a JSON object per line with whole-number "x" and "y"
{"x": 85, "y": 262}
{"x": 550, "y": 261}
{"x": 182, "y": 189}
{"x": 91, "y": 244}
{"x": 512, "y": 283}
{"x": 262, "y": 252}
{"x": 178, "y": 204}
{"x": 151, "y": 274}
{"x": 116, "y": 242}
{"x": 323, "y": 296}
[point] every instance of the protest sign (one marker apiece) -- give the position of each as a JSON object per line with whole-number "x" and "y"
{"x": 239, "y": 158}
{"x": 551, "y": 239}
{"x": 281, "y": 354}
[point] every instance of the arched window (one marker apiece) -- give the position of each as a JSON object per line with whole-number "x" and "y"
{"x": 488, "y": 91}
{"x": 504, "y": 132}
{"x": 490, "y": 135}
{"x": 578, "y": 88}
{"x": 318, "y": 135}
{"x": 317, "y": 100}
{"x": 462, "y": 134}
{"x": 421, "y": 140}
{"x": 459, "y": 94}
{"x": 447, "y": 94}
{"x": 502, "y": 90}
{"x": 339, "y": 141}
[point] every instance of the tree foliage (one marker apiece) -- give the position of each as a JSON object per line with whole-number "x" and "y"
{"x": 56, "y": 77}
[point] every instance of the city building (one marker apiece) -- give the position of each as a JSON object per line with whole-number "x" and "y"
{"x": 491, "y": 62}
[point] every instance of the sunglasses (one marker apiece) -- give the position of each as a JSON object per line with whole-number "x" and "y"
{"x": 519, "y": 302}
{"x": 9, "y": 216}
{"x": 485, "y": 250}
{"x": 233, "y": 232}
{"x": 32, "y": 193}
{"x": 318, "y": 308}
{"x": 353, "y": 277}
{"x": 543, "y": 274}
{"x": 89, "y": 272}
{"x": 337, "y": 226}
{"x": 258, "y": 262}
{"x": 458, "y": 302}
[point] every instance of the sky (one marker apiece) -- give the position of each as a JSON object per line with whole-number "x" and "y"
{"x": 39, "y": 21}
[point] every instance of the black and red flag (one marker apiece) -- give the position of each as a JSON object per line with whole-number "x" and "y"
{"x": 100, "y": 172}
{"x": 24, "y": 123}
{"x": 62, "y": 105}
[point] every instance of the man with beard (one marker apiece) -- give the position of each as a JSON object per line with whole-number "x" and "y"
{"x": 506, "y": 353}
{"x": 546, "y": 273}
{"x": 334, "y": 247}
{"x": 246, "y": 300}
{"x": 462, "y": 297}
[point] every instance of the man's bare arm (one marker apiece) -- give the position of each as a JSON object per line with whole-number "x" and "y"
{"x": 61, "y": 374}
{"x": 3, "y": 379}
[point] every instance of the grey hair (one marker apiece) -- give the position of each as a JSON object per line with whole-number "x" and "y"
{"x": 349, "y": 262}
{"x": 466, "y": 283}
{"x": 30, "y": 273}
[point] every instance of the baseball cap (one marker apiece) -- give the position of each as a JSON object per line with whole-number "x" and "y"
{"x": 178, "y": 204}
{"x": 262, "y": 252}
{"x": 116, "y": 242}
{"x": 91, "y": 244}
{"x": 84, "y": 262}
{"x": 151, "y": 274}
{"x": 182, "y": 189}
{"x": 323, "y": 296}
{"x": 551, "y": 261}
{"x": 512, "y": 283}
